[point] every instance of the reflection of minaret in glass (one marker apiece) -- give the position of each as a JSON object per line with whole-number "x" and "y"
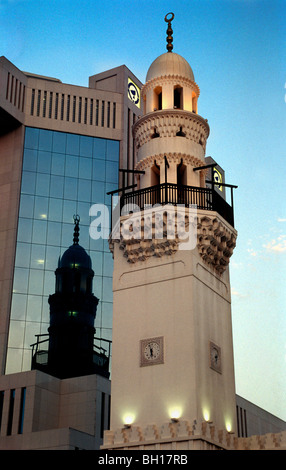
{"x": 72, "y": 315}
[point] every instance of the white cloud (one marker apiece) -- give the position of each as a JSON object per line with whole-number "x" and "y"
{"x": 235, "y": 293}
{"x": 277, "y": 245}
{"x": 281, "y": 220}
{"x": 252, "y": 252}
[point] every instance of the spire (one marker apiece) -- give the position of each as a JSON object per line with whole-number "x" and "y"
{"x": 169, "y": 18}
{"x": 76, "y": 219}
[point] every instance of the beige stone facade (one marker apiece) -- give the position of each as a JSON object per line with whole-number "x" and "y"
{"x": 55, "y": 414}
{"x": 186, "y": 436}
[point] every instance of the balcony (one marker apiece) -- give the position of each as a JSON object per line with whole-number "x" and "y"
{"x": 173, "y": 194}
{"x": 100, "y": 358}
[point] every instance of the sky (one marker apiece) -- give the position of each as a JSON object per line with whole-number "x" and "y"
{"x": 237, "y": 51}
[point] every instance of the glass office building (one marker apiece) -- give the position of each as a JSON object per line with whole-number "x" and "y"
{"x": 63, "y": 174}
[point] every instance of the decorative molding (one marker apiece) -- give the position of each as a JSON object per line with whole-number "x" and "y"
{"x": 173, "y": 79}
{"x": 174, "y": 157}
{"x": 184, "y": 435}
{"x": 216, "y": 239}
{"x": 168, "y": 123}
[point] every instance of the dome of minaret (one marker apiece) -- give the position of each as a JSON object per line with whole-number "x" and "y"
{"x": 75, "y": 256}
{"x": 170, "y": 64}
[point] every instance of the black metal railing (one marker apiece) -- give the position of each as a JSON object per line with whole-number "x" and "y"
{"x": 170, "y": 193}
{"x": 40, "y": 353}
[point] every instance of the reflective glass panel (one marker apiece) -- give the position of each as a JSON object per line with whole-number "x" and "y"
{"x": 18, "y": 308}
{"x": 55, "y": 209}
{"x": 72, "y": 144}
{"x": 59, "y": 142}
{"x": 98, "y": 170}
{"x": 54, "y": 233}
{"x": 38, "y": 254}
{"x": 44, "y": 162}
{"x": 23, "y": 254}
{"x": 28, "y": 182}
{"x": 71, "y": 167}
{"x": 86, "y": 146}
{"x": 25, "y": 230}
{"x": 34, "y": 308}
{"x": 63, "y": 174}
{"x": 26, "y": 206}
{"x": 58, "y": 164}
{"x": 42, "y": 184}
{"x": 45, "y": 140}
{"x": 41, "y": 208}
{"x": 99, "y": 149}
{"x": 70, "y": 188}
{"x": 57, "y": 186}
{"x": 85, "y": 168}
{"x": 39, "y": 234}
{"x": 32, "y": 138}
{"x": 30, "y": 160}
{"x": 36, "y": 279}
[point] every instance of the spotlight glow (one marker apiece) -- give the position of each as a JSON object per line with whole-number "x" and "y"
{"x": 128, "y": 418}
{"x": 175, "y": 412}
{"x": 206, "y": 415}
{"x": 228, "y": 426}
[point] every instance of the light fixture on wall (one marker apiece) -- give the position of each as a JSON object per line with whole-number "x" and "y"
{"x": 174, "y": 420}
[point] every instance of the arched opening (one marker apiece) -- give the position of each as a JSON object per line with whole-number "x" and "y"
{"x": 181, "y": 181}
{"x": 155, "y": 175}
{"x": 155, "y": 134}
{"x": 180, "y": 133}
{"x": 194, "y": 103}
{"x": 157, "y": 98}
{"x": 181, "y": 174}
{"x": 178, "y": 97}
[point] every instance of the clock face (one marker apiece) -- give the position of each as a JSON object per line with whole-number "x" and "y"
{"x": 215, "y": 357}
{"x": 151, "y": 351}
{"x": 133, "y": 92}
{"x": 217, "y": 178}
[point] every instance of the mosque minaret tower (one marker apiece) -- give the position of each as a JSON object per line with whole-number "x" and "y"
{"x": 172, "y": 383}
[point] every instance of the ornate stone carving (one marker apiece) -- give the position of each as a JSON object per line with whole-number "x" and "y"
{"x": 168, "y": 123}
{"x": 182, "y": 436}
{"x": 175, "y": 157}
{"x": 170, "y": 79}
{"x": 216, "y": 239}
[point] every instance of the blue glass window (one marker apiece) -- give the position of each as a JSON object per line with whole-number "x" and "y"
{"x": 72, "y": 144}
{"x": 26, "y": 206}
{"x": 98, "y": 171}
{"x": 32, "y": 138}
{"x": 86, "y": 146}
{"x": 63, "y": 174}
{"x": 45, "y": 140}
{"x": 58, "y": 164}
{"x": 28, "y": 182}
{"x": 59, "y": 142}
{"x": 30, "y": 160}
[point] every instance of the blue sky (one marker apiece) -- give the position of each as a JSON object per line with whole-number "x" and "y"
{"x": 237, "y": 50}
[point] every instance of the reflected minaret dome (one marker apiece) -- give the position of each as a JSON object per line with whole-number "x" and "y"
{"x": 73, "y": 308}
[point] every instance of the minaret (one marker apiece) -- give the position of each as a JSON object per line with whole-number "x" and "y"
{"x": 71, "y": 351}
{"x": 172, "y": 366}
